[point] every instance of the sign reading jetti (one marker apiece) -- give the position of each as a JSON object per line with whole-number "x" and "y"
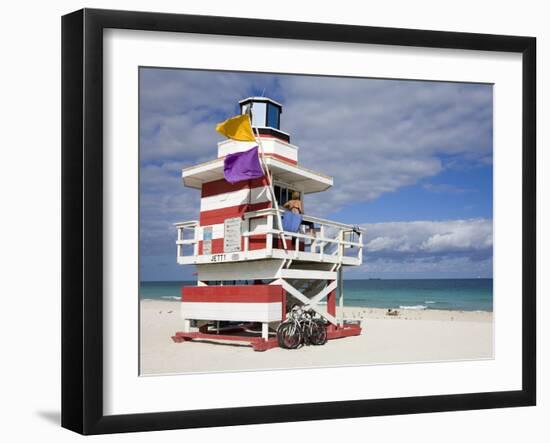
{"x": 232, "y": 234}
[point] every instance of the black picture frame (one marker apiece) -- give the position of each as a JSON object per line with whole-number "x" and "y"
{"x": 82, "y": 215}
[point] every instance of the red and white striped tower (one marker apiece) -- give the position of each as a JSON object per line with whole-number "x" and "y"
{"x": 244, "y": 272}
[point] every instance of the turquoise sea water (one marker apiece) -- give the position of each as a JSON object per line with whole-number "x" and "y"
{"x": 449, "y": 294}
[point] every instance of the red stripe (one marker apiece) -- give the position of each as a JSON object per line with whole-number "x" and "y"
{"x": 282, "y": 138}
{"x": 218, "y": 187}
{"x": 331, "y": 303}
{"x": 280, "y": 157}
{"x": 216, "y": 216}
{"x": 216, "y": 248}
{"x": 290, "y": 244}
{"x": 233, "y": 294}
{"x": 255, "y": 242}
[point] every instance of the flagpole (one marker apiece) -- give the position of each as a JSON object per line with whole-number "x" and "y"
{"x": 270, "y": 183}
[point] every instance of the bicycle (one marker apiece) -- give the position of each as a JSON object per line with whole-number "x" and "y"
{"x": 301, "y": 328}
{"x": 314, "y": 330}
{"x": 289, "y": 332}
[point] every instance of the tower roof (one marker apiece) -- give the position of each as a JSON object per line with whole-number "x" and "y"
{"x": 259, "y": 99}
{"x": 308, "y": 180}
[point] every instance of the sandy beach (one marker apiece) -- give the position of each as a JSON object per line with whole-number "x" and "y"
{"x": 412, "y": 336}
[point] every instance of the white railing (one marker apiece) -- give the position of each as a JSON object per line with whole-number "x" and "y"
{"x": 329, "y": 242}
{"x": 181, "y": 241}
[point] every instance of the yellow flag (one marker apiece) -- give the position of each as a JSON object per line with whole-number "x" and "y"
{"x": 237, "y": 128}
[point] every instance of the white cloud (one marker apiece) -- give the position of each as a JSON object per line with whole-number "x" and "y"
{"x": 429, "y": 239}
{"x": 445, "y": 188}
{"x": 427, "y": 249}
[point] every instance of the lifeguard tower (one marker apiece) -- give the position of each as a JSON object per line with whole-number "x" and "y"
{"x": 246, "y": 278}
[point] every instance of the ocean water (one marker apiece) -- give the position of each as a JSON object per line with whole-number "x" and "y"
{"x": 162, "y": 290}
{"x": 448, "y": 294}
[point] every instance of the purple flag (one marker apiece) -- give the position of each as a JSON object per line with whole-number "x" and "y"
{"x": 242, "y": 166}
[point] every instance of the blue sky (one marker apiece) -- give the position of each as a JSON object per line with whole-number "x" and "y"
{"x": 411, "y": 161}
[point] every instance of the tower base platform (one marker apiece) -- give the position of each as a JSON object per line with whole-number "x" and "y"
{"x": 348, "y": 330}
{"x": 253, "y": 338}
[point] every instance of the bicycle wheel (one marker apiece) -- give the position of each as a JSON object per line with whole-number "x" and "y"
{"x": 307, "y": 333}
{"x": 318, "y": 334}
{"x": 289, "y": 335}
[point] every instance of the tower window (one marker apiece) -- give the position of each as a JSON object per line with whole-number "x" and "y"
{"x": 284, "y": 194}
{"x": 273, "y": 116}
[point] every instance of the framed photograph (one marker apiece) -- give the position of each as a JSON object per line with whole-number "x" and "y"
{"x": 269, "y": 221}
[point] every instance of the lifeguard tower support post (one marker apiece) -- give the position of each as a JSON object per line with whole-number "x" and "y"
{"x": 244, "y": 273}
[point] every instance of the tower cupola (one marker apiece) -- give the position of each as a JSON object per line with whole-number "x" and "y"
{"x": 265, "y": 115}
